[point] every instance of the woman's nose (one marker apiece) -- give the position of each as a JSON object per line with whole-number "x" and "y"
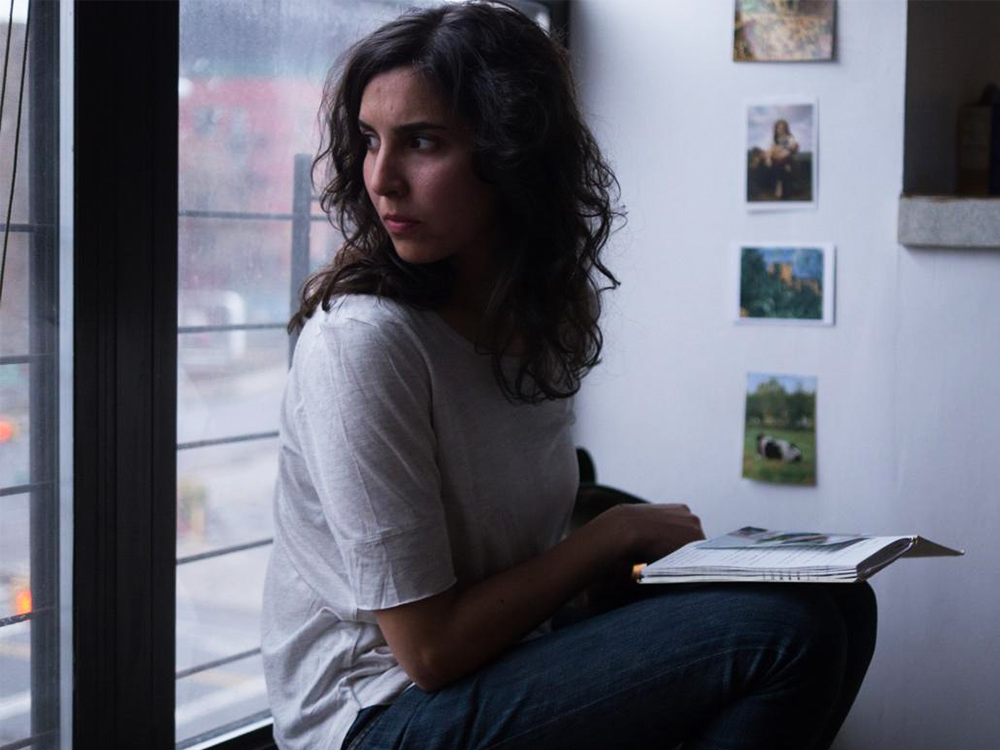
{"x": 386, "y": 176}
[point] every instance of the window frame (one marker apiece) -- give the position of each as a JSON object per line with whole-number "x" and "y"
{"x": 125, "y": 363}
{"x": 45, "y": 531}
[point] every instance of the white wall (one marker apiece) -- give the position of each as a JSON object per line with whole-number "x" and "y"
{"x": 909, "y": 378}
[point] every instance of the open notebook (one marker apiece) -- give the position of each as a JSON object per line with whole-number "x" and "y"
{"x": 753, "y": 554}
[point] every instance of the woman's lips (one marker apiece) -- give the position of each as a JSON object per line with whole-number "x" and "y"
{"x": 399, "y": 224}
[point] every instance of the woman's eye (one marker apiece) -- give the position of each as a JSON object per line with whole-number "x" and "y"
{"x": 371, "y": 140}
{"x": 422, "y": 143}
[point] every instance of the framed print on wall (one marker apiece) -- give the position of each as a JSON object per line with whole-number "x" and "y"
{"x": 779, "y": 428}
{"x": 780, "y": 154}
{"x": 784, "y": 283}
{"x": 783, "y": 30}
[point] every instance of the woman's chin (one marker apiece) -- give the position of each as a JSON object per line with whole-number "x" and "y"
{"x": 416, "y": 255}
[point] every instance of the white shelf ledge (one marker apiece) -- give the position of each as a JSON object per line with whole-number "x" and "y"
{"x": 946, "y": 221}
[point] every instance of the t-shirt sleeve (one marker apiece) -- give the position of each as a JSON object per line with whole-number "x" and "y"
{"x": 366, "y": 432}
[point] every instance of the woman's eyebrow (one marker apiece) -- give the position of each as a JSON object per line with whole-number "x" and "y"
{"x": 409, "y": 127}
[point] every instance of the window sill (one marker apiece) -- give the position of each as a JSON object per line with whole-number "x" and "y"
{"x": 947, "y": 221}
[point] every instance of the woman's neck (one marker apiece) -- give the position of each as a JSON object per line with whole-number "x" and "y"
{"x": 465, "y": 311}
{"x": 471, "y": 290}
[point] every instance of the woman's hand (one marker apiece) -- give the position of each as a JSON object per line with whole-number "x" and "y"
{"x": 654, "y": 530}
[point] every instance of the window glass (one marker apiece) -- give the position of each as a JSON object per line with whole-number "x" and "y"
{"x": 14, "y": 311}
{"x": 213, "y": 688}
{"x": 250, "y": 83}
{"x": 224, "y": 495}
{"x": 15, "y": 637}
{"x": 33, "y": 328}
{"x": 229, "y": 382}
{"x": 15, "y": 423}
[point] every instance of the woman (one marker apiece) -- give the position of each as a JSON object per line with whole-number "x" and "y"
{"x": 427, "y": 467}
{"x": 778, "y": 157}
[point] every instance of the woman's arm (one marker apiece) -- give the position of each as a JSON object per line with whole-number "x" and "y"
{"x": 445, "y": 637}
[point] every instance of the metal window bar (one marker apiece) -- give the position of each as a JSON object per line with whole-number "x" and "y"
{"x": 25, "y": 359}
{"x": 227, "y": 440}
{"x": 39, "y": 739}
{"x": 246, "y": 215}
{"x": 247, "y": 722}
{"x": 17, "y": 227}
{"x": 14, "y": 619}
{"x": 302, "y": 201}
{"x": 224, "y": 551}
{"x": 216, "y": 663}
{"x": 231, "y": 327}
{"x": 21, "y": 489}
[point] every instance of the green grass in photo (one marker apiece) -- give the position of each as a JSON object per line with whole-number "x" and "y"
{"x": 770, "y": 470}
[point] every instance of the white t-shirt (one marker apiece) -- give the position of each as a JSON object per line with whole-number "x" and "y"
{"x": 403, "y": 471}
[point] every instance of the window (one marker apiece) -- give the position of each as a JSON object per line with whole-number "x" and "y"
{"x": 162, "y": 224}
{"x": 249, "y": 233}
{"x": 35, "y": 400}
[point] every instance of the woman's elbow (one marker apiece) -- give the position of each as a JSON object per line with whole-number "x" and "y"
{"x": 428, "y": 683}
{"x": 431, "y": 671}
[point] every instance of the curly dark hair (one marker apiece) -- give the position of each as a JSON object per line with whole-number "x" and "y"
{"x": 499, "y": 72}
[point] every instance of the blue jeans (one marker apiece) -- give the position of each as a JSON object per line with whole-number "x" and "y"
{"x": 744, "y": 666}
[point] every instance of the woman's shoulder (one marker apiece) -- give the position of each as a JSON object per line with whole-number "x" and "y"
{"x": 362, "y": 325}
{"x": 366, "y": 308}
{"x": 366, "y": 316}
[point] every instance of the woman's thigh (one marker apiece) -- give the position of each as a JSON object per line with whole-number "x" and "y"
{"x": 723, "y": 666}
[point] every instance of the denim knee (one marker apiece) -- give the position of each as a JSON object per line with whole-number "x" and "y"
{"x": 858, "y": 607}
{"x": 785, "y": 651}
{"x": 804, "y": 639}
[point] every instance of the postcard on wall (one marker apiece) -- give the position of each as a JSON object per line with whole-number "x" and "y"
{"x": 779, "y": 440}
{"x": 780, "y": 154}
{"x": 784, "y": 283}
{"x": 784, "y": 30}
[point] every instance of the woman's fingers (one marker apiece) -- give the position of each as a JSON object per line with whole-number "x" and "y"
{"x": 660, "y": 528}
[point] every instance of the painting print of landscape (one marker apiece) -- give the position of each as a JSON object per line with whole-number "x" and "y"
{"x": 781, "y": 282}
{"x": 779, "y": 442}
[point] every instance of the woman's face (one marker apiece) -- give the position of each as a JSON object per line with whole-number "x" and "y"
{"x": 419, "y": 176}
{"x": 780, "y": 128}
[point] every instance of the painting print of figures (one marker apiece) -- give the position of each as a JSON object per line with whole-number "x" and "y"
{"x": 783, "y": 30}
{"x": 779, "y": 440}
{"x": 785, "y": 284}
{"x": 780, "y": 156}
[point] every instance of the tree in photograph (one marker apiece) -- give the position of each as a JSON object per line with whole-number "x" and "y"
{"x": 801, "y": 409}
{"x": 781, "y": 289}
{"x": 755, "y": 285}
{"x": 773, "y": 401}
